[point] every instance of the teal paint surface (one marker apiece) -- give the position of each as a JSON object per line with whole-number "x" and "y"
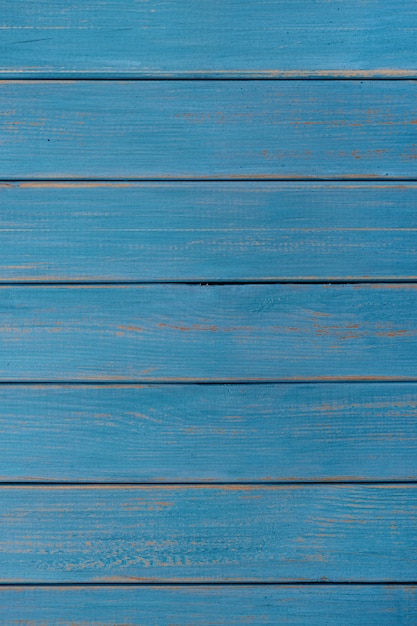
{"x": 225, "y": 38}
{"x": 194, "y": 333}
{"x": 204, "y": 433}
{"x": 208, "y": 533}
{"x": 203, "y": 605}
{"x": 194, "y": 231}
{"x": 208, "y": 129}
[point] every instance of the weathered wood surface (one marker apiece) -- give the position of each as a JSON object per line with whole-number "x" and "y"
{"x": 208, "y": 533}
{"x": 191, "y": 333}
{"x": 237, "y": 135}
{"x": 231, "y": 38}
{"x": 207, "y": 231}
{"x": 192, "y": 433}
{"x": 208, "y": 129}
{"x": 315, "y": 605}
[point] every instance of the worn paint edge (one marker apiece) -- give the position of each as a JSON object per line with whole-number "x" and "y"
{"x": 204, "y": 486}
{"x": 44, "y": 281}
{"x": 122, "y": 381}
{"x": 268, "y": 178}
{"x": 42, "y": 73}
{"x": 133, "y": 581}
{"x": 88, "y": 183}
{"x": 332, "y": 481}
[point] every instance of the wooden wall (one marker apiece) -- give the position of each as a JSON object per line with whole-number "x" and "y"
{"x": 208, "y": 297}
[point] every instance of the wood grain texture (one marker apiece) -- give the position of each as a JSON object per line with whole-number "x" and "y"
{"x": 194, "y": 433}
{"x": 212, "y": 231}
{"x": 346, "y": 605}
{"x": 167, "y": 38}
{"x": 208, "y": 129}
{"x": 107, "y": 134}
{"x": 207, "y": 533}
{"x": 189, "y": 333}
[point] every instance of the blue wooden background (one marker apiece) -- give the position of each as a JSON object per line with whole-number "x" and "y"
{"x": 208, "y": 296}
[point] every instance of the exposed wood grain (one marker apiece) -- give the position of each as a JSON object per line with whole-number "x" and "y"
{"x": 207, "y": 231}
{"x": 167, "y": 38}
{"x": 211, "y": 333}
{"x": 345, "y": 605}
{"x": 193, "y": 433}
{"x": 207, "y": 533}
{"x": 208, "y": 129}
{"x": 184, "y": 231}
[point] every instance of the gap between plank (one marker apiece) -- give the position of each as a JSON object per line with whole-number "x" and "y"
{"x": 211, "y": 283}
{"x": 178, "y": 381}
{"x": 205, "y": 484}
{"x": 257, "y": 178}
{"x": 228, "y": 583}
{"x": 210, "y": 77}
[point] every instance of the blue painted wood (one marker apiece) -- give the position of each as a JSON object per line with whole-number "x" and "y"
{"x": 198, "y": 433}
{"x": 208, "y": 129}
{"x": 207, "y": 533}
{"x": 211, "y": 333}
{"x": 207, "y": 231}
{"x": 346, "y": 605}
{"x": 166, "y": 38}
{"x": 200, "y": 232}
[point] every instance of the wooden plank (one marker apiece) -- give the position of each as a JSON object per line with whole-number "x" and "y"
{"x": 271, "y": 38}
{"x": 208, "y": 129}
{"x": 374, "y": 605}
{"x": 192, "y": 333}
{"x": 195, "y": 433}
{"x": 207, "y": 231}
{"x": 208, "y": 533}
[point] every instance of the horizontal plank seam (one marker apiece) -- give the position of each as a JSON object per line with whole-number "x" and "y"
{"x": 140, "y": 486}
{"x": 295, "y": 182}
{"x": 210, "y": 583}
{"x": 209, "y": 77}
{"x": 110, "y": 383}
{"x": 211, "y": 283}
{"x": 207, "y": 483}
{"x": 244, "y": 179}
{"x": 179, "y": 381}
